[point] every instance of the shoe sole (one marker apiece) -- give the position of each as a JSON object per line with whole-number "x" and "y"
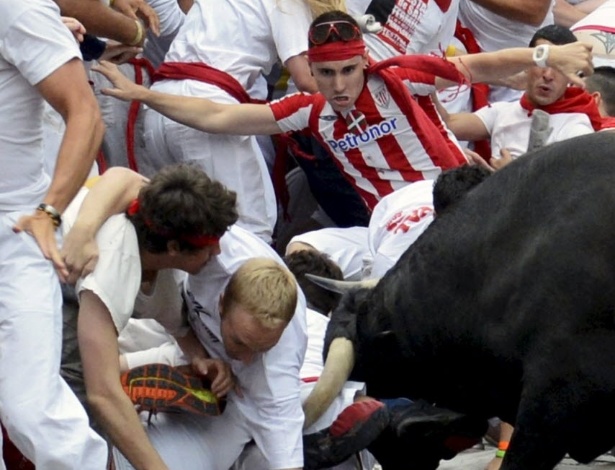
{"x": 159, "y": 387}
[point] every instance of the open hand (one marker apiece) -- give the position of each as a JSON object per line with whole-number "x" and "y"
{"x": 40, "y": 226}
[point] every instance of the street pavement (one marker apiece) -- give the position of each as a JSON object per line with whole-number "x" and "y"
{"x": 477, "y": 459}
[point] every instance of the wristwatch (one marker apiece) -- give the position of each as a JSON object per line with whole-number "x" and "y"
{"x": 540, "y": 56}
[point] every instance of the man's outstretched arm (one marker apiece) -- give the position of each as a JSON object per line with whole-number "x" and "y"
{"x": 199, "y": 113}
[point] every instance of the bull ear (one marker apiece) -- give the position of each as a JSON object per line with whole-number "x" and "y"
{"x": 341, "y": 287}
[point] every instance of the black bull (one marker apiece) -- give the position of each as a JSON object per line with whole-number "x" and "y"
{"x": 505, "y": 307}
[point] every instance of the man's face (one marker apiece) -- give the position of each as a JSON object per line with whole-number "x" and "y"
{"x": 193, "y": 261}
{"x": 545, "y": 85}
{"x": 244, "y": 337}
{"x": 340, "y": 81}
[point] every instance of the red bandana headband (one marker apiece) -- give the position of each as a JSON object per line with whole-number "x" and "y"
{"x": 198, "y": 241}
{"x": 336, "y": 51}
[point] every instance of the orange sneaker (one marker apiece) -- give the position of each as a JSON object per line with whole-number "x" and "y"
{"x": 160, "y": 387}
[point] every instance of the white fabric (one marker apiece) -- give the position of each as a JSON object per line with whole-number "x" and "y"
{"x": 117, "y": 277}
{"x": 410, "y": 27}
{"x": 602, "y": 19}
{"x": 397, "y": 221}
{"x": 603, "y": 16}
{"x": 252, "y": 459}
{"x": 270, "y": 410}
{"x": 494, "y": 32}
{"x": 26, "y": 58}
{"x": 346, "y": 247}
{"x": 51, "y": 428}
{"x": 235, "y": 161}
{"x": 509, "y": 125}
{"x": 171, "y": 18}
{"x": 244, "y": 38}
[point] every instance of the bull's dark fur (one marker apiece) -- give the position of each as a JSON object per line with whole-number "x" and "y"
{"x": 505, "y": 307}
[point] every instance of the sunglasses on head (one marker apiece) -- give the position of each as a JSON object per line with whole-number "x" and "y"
{"x": 344, "y": 30}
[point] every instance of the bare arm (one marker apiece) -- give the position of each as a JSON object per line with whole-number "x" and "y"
{"x": 111, "y": 194}
{"x": 338, "y": 366}
{"x": 530, "y": 12}
{"x": 101, "y": 20}
{"x": 112, "y": 407}
{"x": 465, "y": 126}
{"x": 68, "y": 92}
{"x": 199, "y": 113}
{"x": 299, "y": 70}
{"x": 568, "y": 59}
{"x": 566, "y": 14}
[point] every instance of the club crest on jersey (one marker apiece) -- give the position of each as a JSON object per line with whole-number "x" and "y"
{"x": 352, "y": 140}
{"x": 356, "y": 122}
{"x": 382, "y": 97}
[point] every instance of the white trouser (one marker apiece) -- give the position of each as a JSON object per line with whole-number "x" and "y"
{"x": 42, "y": 416}
{"x": 187, "y": 441}
{"x": 235, "y": 161}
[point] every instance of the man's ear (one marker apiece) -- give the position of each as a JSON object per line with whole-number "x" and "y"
{"x": 173, "y": 247}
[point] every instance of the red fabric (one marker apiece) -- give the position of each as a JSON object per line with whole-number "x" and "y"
{"x": 101, "y": 161}
{"x": 423, "y": 116}
{"x": 203, "y": 73}
{"x": 574, "y": 100}
{"x": 479, "y": 91}
{"x": 608, "y": 122}
{"x": 133, "y": 110}
{"x": 341, "y": 50}
{"x": 421, "y": 68}
{"x": 356, "y": 413}
{"x": 13, "y": 458}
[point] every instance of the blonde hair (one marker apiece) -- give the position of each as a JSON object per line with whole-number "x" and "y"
{"x": 266, "y": 289}
{"x": 318, "y": 7}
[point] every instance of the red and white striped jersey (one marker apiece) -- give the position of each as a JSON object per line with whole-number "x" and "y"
{"x": 384, "y": 143}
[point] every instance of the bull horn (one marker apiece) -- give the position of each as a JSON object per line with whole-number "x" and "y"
{"x": 341, "y": 287}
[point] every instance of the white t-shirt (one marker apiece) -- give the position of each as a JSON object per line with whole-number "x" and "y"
{"x": 409, "y": 27}
{"x": 116, "y": 280}
{"x": 397, "y": 221}
{"x": 271, "y": 405}
{"x": 26, "y": 58}
{"x": 509, "y": 127}
{"x": 244, "y": 38}
{"x": 171, "y": 18}
{"x": 346, "y": 247}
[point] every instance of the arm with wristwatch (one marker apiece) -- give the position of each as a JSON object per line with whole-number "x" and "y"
{"x": 573, "y": 60}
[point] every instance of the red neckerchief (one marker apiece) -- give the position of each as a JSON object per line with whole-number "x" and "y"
{"x": 608, "y": 122}
{"x": 574, "y": 100}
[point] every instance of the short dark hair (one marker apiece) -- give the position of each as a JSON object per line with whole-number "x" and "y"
{"x": 181, "y": 200}
{"x": 603, "y": 81}
{"x": 451, "y": 185}
{"x": 302, "y": 262}
{"x": 334, "y": 15}
{"x": 555, "y": 34}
